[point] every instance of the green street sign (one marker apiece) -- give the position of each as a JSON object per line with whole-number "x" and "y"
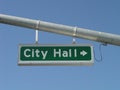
{"x": 74, "y": 54}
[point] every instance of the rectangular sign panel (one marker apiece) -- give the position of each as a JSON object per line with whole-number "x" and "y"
{"x": 73, "y": 54}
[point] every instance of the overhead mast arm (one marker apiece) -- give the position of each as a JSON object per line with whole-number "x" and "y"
{"x": 61, "y": 29}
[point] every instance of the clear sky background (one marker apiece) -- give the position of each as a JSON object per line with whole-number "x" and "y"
{"x": 99, "y": 15}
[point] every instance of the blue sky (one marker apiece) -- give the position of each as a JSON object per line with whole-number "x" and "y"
{"x": 99, "y": 15}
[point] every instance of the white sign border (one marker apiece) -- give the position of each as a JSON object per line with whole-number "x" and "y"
{"x": 55, "y": 63}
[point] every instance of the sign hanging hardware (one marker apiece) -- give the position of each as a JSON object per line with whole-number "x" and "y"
{"x": 37, "y": 32}
{"x": 36, "y": 37}
{"x": 100, "y": 51}
{"x": 74, "y": 34}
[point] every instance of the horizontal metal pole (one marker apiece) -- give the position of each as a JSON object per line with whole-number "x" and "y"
{"x": 62, "y": 29}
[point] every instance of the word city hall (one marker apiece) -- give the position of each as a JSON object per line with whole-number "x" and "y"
{"x": 43, "y": 54}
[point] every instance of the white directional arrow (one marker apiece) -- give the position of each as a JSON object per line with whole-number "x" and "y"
{"x": 83, "y": 53}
